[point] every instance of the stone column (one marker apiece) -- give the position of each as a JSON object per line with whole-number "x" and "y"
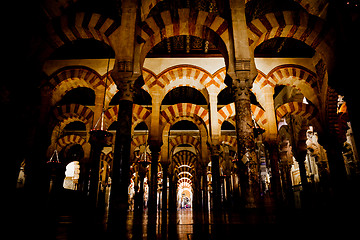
{"x": 245, "y": 138}
{"x": 139, "y": 197}
{"x": 98, "y": 140}
{"x": 172, "y": 192}
{"x": 202, "y": 171}
{"x": 273, "y": 148}
{"x": 286, "y": 163}
{"x": 155, "y": 152}
{"x": 215, "y": 172}
{"x": 121, "y": 162}
{"x": 300, "y": 154}
{"x": 227, "y": 177}
{"x": 165, "y": 166}
{"x": 267, "y": 101}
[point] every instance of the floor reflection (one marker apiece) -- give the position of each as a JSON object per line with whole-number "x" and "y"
{"x": 183, "y": 224}
{"x": 178, "y": 225}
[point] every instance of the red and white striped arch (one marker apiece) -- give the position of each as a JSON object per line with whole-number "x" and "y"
{"x": 185, "y": 139}
{"x": 68, "y": 78}
{"x": 184, "y": 109}
{"x": 229, "y": 111}
{"x": 290, "y": 75}
{"x": 139, "y": 114}
{"x": 298, "y": 25}
{"x": 81, "y": 25}
{"x": 296, "y": 108}
{"x": 185, "y": 21}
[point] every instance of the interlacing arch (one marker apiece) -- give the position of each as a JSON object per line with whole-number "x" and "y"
{"x": 139, "y": 114}
{"x": 290, "y": 75}
{"x": 184, "y": 109}
{"x": 229, "y": 111}
{"x": 183, "y": 21}
{"x": 297, "y": 25}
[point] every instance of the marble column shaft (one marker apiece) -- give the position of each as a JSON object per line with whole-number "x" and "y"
{"x": 98, "y": 140}
{"x": 215, "y": 171}
{"x": 155, "y": 152}
{"x": 245, "y": 140}
{"x": 121, "y": 162}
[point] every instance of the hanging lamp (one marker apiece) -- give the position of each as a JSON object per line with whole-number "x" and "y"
{"x": 55, "y": 156}
{"x": 99, "y": 133}
{"x": 101, "y": 120}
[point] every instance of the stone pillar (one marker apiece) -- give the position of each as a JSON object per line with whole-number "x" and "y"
{"x": 165, "y": 166}
{"x": 172, "y": 191}
{"x": 227, "y": 177}
{"x": 139, "y": 196}
{"x": 273, "y": 148}
{"x": 245, "y": 139}
{"x": 98, "y": 140}
{"x": 202, "y": 171}
{"x": 215, "y": 172}
{"x": 286, "y": 163}
{"x": 300, "y": 154}
{"x": 121, "y": 162}
{"x": 155, "y": 152}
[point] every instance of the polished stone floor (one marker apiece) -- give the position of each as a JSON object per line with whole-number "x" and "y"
{"x": 187, "y": 225}
{"x": 73, "y": 220}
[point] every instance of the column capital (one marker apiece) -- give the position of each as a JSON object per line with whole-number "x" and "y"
{"x": 126, "y": 89}
{"x": 124, "y": 78}
{"x": 241, "y": 89}
{"x": 165, "y": 164}
{"x": 155, "y": 146}
{"x": 214, "y": 149}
